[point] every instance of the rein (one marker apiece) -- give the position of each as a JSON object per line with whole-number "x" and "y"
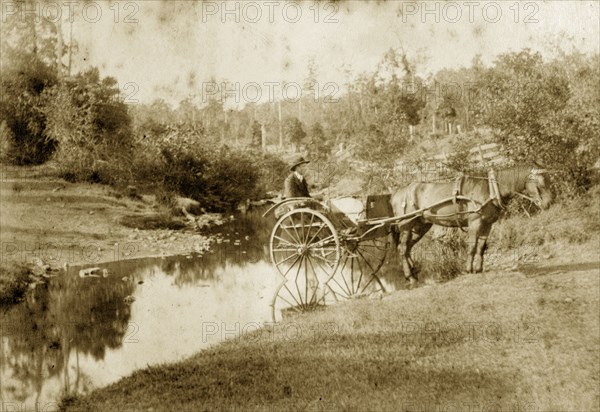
{"x": 493, "y": 188}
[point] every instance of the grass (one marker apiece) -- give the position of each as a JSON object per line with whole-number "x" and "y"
{"x": 14, "y": 280}
{"x": 498, "y": 340}
{"x": 573, "y": 220}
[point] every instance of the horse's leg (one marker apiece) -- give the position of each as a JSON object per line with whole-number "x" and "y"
{"x": 484, "y": 232}
{"x": 395, "y": 237}
{"x": 403, "y": 252}
{"x": 417, "y": 234}
{"x": 474, "y": 228}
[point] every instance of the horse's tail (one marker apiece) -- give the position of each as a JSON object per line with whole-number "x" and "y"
{"x": 402, "y": 202}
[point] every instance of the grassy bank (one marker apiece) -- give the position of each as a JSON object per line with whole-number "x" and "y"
{"x": 45, "y": 218}
{"x": 500, "y": 340}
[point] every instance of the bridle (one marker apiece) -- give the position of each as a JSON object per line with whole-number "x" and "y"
{"x": 531, "y": 177}
{"x": 495, "y": 191}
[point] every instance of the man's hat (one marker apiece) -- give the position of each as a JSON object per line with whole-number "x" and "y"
{"x": 297, "y": 161}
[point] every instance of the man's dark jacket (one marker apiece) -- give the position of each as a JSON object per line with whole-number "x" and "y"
{"x": 295, "y": 187}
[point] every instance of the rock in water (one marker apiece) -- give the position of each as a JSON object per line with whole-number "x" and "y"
{"x": 90, "y": 273}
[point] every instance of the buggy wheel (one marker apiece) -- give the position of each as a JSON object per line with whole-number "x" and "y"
{"x": 357, "y": 273}
{"x": 305, "y": 250}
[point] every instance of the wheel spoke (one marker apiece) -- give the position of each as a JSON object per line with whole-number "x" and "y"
{"x": 306, "y": 279}
{"x": 287, "y": 301}
{"x": 324, "y": 260}
{"x": 373, "y": 273}
{"x": 324, "y": 241}
{"x": 314, "y": 291}
{"x": 290, "y": 249}
{"x": 361, "y": 274}
{"x": 285, "y": 241}
{"x": 312, "y": 218}
{"x": 291, "y": 266}
{"x": 382, "y": 247}
{"x": 316, "y": 234}
{"x": 352, "y": 274}
{"x": 286, "y": 259}
{"x": 296, "y": 279}
{"x": 295, "y": 229}
{"x": 344, "y": 278}
{"x": 366, "y": 261}
{"x": 375, "y": 257}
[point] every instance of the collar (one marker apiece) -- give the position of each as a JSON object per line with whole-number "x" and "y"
{"x": 494, "y": 189}
{"x": 298, "y": 175}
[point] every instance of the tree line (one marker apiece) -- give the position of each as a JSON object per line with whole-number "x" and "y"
{"x": 538, "y": 110}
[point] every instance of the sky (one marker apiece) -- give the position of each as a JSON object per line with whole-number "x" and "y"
{"x": 172, "y": 49}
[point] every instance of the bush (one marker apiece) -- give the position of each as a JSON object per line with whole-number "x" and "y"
{"x": 544, "y": 112}
{"x": 572, "y": 220}
{"x": 442, "y": 258}
{"x": 14, "y": 280}
{"x": 22, "y": 86}
{"x": 92, "y": 127}
{"x": 215, "y": 175}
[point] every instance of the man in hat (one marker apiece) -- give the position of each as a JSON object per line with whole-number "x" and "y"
{"x": 295, "y": 184}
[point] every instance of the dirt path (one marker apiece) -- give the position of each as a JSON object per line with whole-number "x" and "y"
{"x": 61, "y": 223}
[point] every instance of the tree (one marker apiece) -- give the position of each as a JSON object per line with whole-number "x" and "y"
{"x": 318, "y": 147}
{"x": 151, "y": 121}
{"x": 253, "y": 134}
{"x": 22, "y": 88}
{"x": 293, "y": 132}
{"x": 542, "y": 115}
{"x": 88, "y": 119}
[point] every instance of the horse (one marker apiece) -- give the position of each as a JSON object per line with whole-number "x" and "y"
{"x": 475, "y": 202}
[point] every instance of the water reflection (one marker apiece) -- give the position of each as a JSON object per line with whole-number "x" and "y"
{"x": 70, "y": 317}
{"x": 76, "y": 334}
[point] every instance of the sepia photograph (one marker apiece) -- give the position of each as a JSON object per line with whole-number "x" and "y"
{"x": 299, "y": 205}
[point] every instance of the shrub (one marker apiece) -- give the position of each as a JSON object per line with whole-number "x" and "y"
{"x": 219, "y": 177}
{"x": 22, "y": 86}
{"x": 442, "y": 258}
{"x": 92, "y": 127}
{"x": 14, "y": 280}
{"x": 573, "y": 220}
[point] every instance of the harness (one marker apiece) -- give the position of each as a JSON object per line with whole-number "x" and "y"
{"x": 458, "y": 183}
{"x": 494, "y": 194}
{"x": 494, "y": 189}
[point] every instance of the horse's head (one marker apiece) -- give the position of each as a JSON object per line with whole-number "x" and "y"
{"x": 538, "y": 188}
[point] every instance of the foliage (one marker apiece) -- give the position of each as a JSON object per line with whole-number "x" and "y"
{"x": 573, "y": 220}
{"x": 542, "y": 115}
{"x": 91, "y": 124}
{"x": 183, "y": 163}
{"x": 293, "y": 131}
{"x": 22, "y": 86}
{"x": 459, "y": 160}
{"x": 390, "y": 108}
{"x": 318, "y": 146}
{"x": 14, "y": 280}
{"x": 253, "y": 134}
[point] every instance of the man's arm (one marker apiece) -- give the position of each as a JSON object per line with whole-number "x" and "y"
{"x": 288, "y": 187}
